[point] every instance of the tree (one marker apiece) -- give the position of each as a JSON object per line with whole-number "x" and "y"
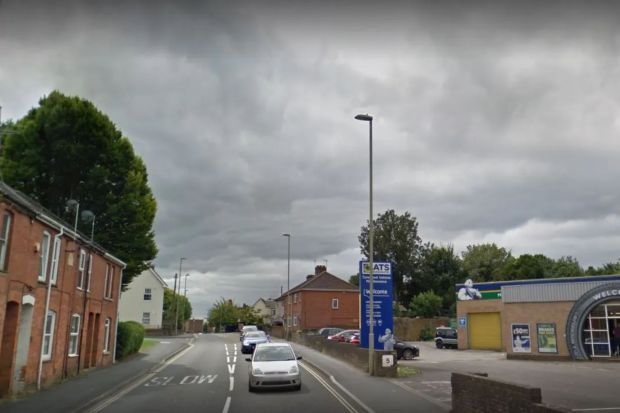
{"x": 396, "y": 240}
{"x": 609, "y": 268}
{"x": 440, "y": 270}
{"x": 247, "y": 315}
{"x": 182, "y": 313}
{"x": 426, "y": 304}
{"x": 67, "y": 149}
{"x": 485, "y": 262}
{"x": 223, "y": 313}
{"x": 528, "y": 266}
{"x": 566, "y": 267}
{"x": 355, "y": 279}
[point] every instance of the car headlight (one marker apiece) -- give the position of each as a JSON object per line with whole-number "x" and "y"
{"x": 294, "y": 370}
{"x": 256, "y": 371}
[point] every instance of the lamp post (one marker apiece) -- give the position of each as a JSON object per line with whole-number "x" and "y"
{"x": 288, "y": 286}
{"x": 73, "y": 204}
{"x": 176, "y": 297}
{"x": 371, "y": 230}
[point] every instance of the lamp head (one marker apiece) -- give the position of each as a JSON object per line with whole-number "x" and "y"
{"x": 365, "y": 117}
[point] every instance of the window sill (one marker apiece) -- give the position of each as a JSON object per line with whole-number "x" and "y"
{"x": 106, "y": 353}
{"x": 108, "y": 299}
{"x": 72, "y": 356}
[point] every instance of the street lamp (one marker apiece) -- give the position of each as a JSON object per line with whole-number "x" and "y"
{"x": 371, "y": 230}
{"x": 288, "y": 286}
{"x": 176, "y": 317}
{"x": 88, "y": 216}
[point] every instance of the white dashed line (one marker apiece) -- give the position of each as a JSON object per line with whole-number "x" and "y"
{"x": 232, "y": 384}
{"x": 226, "y": 405}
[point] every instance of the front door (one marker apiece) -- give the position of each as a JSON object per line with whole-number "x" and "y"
{"x": 7, "y": 347}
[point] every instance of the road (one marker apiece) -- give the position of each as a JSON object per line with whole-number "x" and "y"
{"x": 211, "y": 376}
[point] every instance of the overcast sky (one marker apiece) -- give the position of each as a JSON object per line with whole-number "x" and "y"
{"x": 492, "y": 123}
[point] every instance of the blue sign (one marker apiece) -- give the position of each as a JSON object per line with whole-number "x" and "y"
{"x": 462, "y": 322}
{"x": 382, "y": 300}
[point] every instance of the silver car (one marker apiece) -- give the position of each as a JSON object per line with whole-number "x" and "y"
{"x": 251, "y": 339}
{"x": 274, "y": 365}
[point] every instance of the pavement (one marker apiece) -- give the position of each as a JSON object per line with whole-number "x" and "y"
{"x": 78, "y": 393}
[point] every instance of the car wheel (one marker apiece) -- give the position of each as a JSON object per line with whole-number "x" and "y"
{"x": 408, "y": 354}
{"x": 439, "y": 344}
{"x": 298, "y": 387}
{"x": 250, "y": 388}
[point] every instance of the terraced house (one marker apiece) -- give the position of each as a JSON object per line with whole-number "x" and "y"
{"x": 59, "y": 296}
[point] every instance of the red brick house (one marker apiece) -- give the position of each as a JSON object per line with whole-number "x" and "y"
{"x": 322, "y": 300}
{"x": 58, "y": 297}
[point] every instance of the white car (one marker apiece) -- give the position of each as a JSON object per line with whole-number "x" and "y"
{"x": 274, "y": 365}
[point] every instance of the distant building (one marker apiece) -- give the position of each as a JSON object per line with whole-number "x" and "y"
{"x": 143, "y": 301}
{"x": 265, "y": 309}
{"x": 322, "y": 300}
{"x": 59, "y": 296}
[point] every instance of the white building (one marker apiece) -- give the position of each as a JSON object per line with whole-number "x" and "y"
{"x": 266, "y": 309}
{"x": 144, "y": 300}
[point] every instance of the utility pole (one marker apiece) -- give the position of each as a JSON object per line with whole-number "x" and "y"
{"x": 176, "y": 297}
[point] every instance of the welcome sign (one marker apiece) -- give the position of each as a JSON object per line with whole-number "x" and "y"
{"x": 382, "y": 301}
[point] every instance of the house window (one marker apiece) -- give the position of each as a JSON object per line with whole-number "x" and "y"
{"x": 295, "y": 298}
{"x": 74, "y": 335}
{"x": 90, "y": 271}
{"x": 146, "y": 318}
{"x": 147, "y": 294}
{"x": 4, "y": 239}
{"x": 55, "y": 257}
{"x": 44, "y": 256}
{"x": 295, "y": 320}
{"x": 334, "y": 303}
{"x": 48, "y": 335}
{"x": 106, "y": 335}
{"x": 109, "y": 279}
{"x": 81, "y": 270}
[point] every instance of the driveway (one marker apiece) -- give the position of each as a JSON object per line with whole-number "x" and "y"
{"x": 581, "y": 386}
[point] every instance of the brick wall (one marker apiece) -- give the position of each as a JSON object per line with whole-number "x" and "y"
{"x": 473, "y": 393}
{"x": 314, "y": 309}
{"x": 408, "y": 329}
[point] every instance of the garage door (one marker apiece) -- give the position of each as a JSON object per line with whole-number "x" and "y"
{"x": 485, "y": 331}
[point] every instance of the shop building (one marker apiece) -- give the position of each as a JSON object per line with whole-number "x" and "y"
{"x": 552, "y": 318}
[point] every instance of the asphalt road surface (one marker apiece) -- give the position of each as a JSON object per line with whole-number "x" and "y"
{"x": 212, "y": 376}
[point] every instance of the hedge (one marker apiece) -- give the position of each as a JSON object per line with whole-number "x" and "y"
{"x": 129, "y": 339}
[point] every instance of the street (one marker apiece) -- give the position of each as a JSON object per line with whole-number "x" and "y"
{"x": 211, "y": 376}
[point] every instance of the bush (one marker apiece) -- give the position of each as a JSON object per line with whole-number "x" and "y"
{"x": 426, "y": 334}
{"x": 426, "y": 304}
{"x": 129, "y": 338}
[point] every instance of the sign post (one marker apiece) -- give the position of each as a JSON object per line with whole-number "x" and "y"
{"x": 382, "y": 301}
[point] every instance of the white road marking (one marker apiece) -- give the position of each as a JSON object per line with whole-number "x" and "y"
{"x": 334, "y": 393}
{"x": 235, "y": 359}
{"x": 231, "y": 369}
{"x": 597, "y": 409}
{"x": 232, "y": 384}
{"x": 105, "y": 403}
{"x": 226, "y": 405}
{"x": 227, "y": 360}
{"x": 351, "y": 395}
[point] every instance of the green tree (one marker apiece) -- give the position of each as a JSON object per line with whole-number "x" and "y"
{"x": 171, "y": 312}
{"x": 440, "y": 270}
{"x": 396, "y": 240}
{"x": 223, "y": 313}
{"x": 528, "y": 266}
{"x": 609, "y": 268}
{"x": 426, "y": 304}
{"x": 485, "y": 262}
{"x": 566, "y": 267}
{"x": 247, "y": 315}
{"x": 355, "y": 279}
{"x": 67, "y": 149}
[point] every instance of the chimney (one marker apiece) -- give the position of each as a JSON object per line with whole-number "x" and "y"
{"x": 319, "y": 269}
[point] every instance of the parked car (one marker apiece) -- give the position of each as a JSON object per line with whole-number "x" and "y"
{"x": 329, "y": 331}
{"x": 251, "y": 339}
{"x": 446, "y": 337}
{"x": 274, "y": 365}
{"x": 342, "y": 336}
{"x": 355, "y": 339}
{"x": 405, "y": 350}
{"x": 245, "y": 329}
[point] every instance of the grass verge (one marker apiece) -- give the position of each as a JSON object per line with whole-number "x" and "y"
{"x": 407, "y": 371}
{"x": 147, "y": 344}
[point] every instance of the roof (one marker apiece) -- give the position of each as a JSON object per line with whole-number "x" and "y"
{"x": 156, "y": 275}
{"x": 324, "y": 281}
{"x": 496, "y": 285}
{"x": 269, "y": 303}
{"x": 42, "y": 214}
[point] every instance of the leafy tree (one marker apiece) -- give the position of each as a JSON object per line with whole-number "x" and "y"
{"x": 485, "y": 262}
{"x": 171, "y": 312}
{"x": 248, "y": 315}
{"x": 67, "y": 149}
{"x": 426, "y": 304}
{"x": 355, "y": 279}
{"x": 223, "y": 313}
{"x": 440, "y": 270}
{"x": 396, "y": 240}
{"x": 566, "y": 267}
{"x": 609, "y": 268}
{"x": 528, "y": 266}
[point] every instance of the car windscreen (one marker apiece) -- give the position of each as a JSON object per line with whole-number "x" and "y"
{"x": 249, "y": 328}
{"x": 280, "y": 353}
{"x": 254, "y": 334}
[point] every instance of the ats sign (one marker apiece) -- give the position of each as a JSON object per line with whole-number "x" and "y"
{"x": 382, "y": 301}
